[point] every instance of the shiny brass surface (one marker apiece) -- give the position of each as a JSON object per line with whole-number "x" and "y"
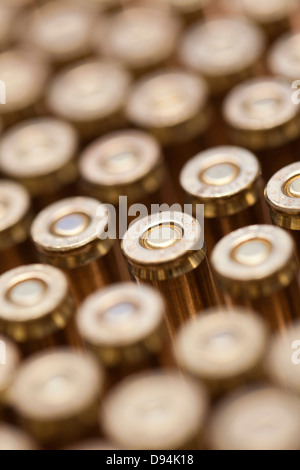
{"x": 36, "y": 308}
{"x": 166, "y": 250}
{"x": 256, "y": 267}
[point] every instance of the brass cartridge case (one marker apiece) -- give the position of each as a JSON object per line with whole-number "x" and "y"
{"x": 282, "y": 196}
{"x": 9, "y": 362}
{"x": 56, "y": 396}
{"x": 13, "y": 438}
{"x": 72, "y": 235}
{"x": 167, "y": 251}
{"x": 141, "y": 38}
{"x": 126, "y": 163}
{"x": 218, "y": 50}
{"x": 223, "y": 348}
{"x": 60, "y": 30}
{"x": 265, "y": 418}
{"x": 15, "y": 220}
{"x": 91, "y": 95}
{"x": 283, "y": 58}
{"x": 36, "y": 308}
{"x": 41, "y": 154}
{"x": 256, "y": 267}
{"x": 123, "y": 326}
{"x": 228, "y": 181}
{"x": 282, "y": 360}
{"x": 172, "y": 105}
{"x": 23, "y": 94}
{"x": 155, "y": 410}
{"x": 273, "y": 16}
{"x": 261, "y": 116}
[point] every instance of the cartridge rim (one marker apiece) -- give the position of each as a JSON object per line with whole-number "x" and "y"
{"x": 225, "y": 179}
{"x": 124, "y": 163}
{"x": 279, "y": 365}
{"x": 221, "y": 65}
{"x": 168, "y": 100}
{"x": 12, "y": 360}
{"x": 257, "y": 109}
{"x": 120, "y": 315}
{"x": 12, "y": 438}
{"x": 22, "y": 91}
{"x": 255, "y": 260}
{"x": 72, "y": 232}
{"x": 283, "y": 197}
{"x": 283, "y": 58}
{"x": 221, "y": 345}
{"x": 61, "y": 29}
{"x": 15, "y": 216}
{"x": 176, "y": 249}
{"x": 140, "y": 37}
{"x": 34, "y": 302}
{"x": 179, "y": 407}
{"x": 73, "y": 98}
{"x": 36, "y": 400}
{"x": 21, "y": 148}
{"x": 256, "y": 419}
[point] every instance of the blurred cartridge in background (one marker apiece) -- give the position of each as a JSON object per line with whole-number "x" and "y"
{"x": 224, "y": 347}
{"x": 36, "y": 308}
{"x": 124, "y": 327}
{"x": 167, "y": 251}
{"x": 282, "y": 194}
{"x": 282, "y": 362}
{"x": 173, "y": 106}
{"x": 142, "y": 39}
{"x": 9, "y": 362}
{"x": 155, "y": 410}
{"x": 256, "y": 267}
{"x": 284, "y": 57}
{"x": 91, "y": 95}
{"x": 218, "y": 50}
{"x": 126, "y": 163}
{"x": 265, "y": 418}
{"x": 56, "y": 396}
{"x": 273, "y": 16}
{"x": 13, "y": 438}
{"x": 15, "y": 220}
{"x": 261, "y": 116}
{"x": 23, "y": 95}
{"x": 73, "y": 234}
{"x": 41, "y": 154}
{"x": 228, "y": 181}
{"x": 60, "y": 30}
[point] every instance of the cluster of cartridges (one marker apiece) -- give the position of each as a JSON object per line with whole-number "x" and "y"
{"x": 181, "y": 330}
